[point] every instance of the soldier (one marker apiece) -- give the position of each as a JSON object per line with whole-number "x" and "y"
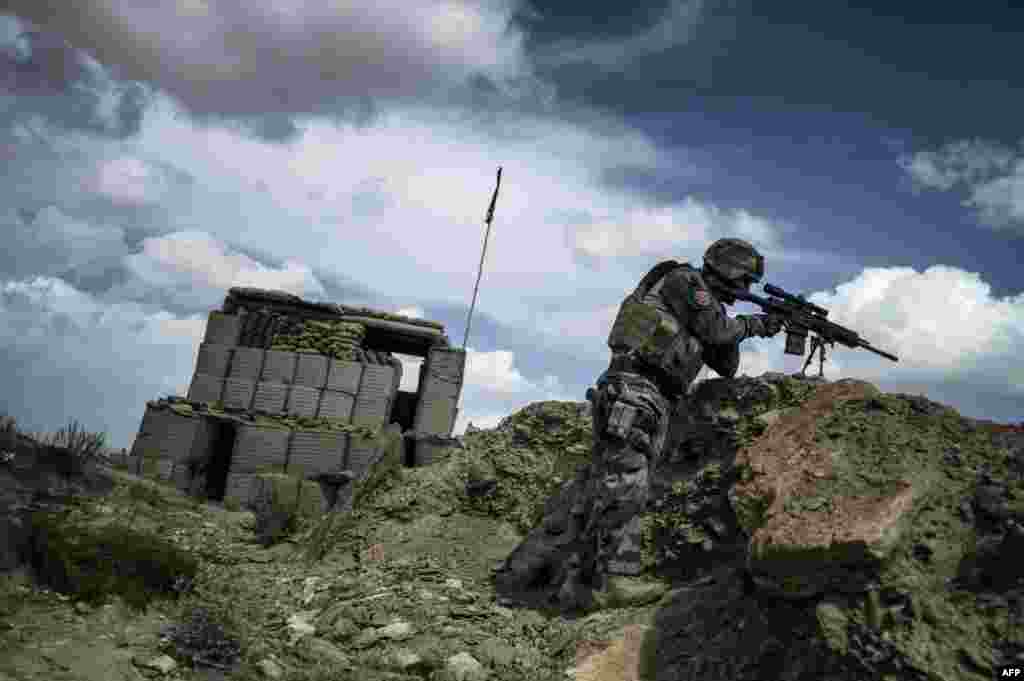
{"x": 665, "y": 331}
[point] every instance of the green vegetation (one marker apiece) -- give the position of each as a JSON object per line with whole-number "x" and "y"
{"x": 93, "y": 561}
{"x": 83, "y": 445}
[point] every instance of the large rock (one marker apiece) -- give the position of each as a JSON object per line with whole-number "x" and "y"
{"x": 817, "y": 519}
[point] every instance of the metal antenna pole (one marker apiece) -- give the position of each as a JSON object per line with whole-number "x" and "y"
{"x": 483, "y": 253}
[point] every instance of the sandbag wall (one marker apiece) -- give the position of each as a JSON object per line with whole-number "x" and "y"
{"x": 301, "y": 382}
{"x": 175, "y": 444}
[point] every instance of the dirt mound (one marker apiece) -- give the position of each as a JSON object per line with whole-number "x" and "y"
{"x": 405, "y": 589}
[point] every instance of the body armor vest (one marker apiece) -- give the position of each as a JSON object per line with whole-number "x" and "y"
{"x": 652, "y": 338}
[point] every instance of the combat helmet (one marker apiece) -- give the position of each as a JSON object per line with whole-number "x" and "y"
{"x": 734, "y": 260}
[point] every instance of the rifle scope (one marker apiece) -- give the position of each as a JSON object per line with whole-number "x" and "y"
{"x": 796, "y": 300}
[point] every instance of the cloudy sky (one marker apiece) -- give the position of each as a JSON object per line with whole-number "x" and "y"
{"x": 155, "y": 154}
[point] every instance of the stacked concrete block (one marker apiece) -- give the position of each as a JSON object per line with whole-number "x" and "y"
{"x": 279, "y": 366}
{"x": 182, "y": 478}
{"x": 344, "y": 376}
{"x": 179, "y": 435}
{"x": 238, "y": 394}
{"x": 206, "y": 388}
{"x": 336, "y": 405}
{"x": 311, "y": 370}
{"x": 311, "y": 451}
{"x": 147, "y": 440}
{"x": 440, "y": 385}
{"x": 165, "y": 438}
{"x": 247, "y": 364}
{"x": 260, "y": 449}
{"x": 216, "y": 353}
{"x": 240, "y": 385}
{"x": 214, "y": 359}
{"x": 338, "y": 399}
{"x": 373, "y": 400}
{"x": 303, "y": 401}
{"x": 223, "y": 329}
{"x": 270, "y": 397}
{"x": 275, "y": 379}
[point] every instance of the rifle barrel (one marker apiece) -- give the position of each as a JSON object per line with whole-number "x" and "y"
{"x": 883, "y": 353}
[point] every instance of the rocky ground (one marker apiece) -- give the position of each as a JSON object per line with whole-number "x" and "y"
{"x": 405, "y": 586}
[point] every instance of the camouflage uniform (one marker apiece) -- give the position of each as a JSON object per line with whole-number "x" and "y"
{"x": 666, "y": 330}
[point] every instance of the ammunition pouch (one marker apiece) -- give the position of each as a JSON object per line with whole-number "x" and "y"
{"x": 630, "y": 409}
{"x": 620, "y": 420}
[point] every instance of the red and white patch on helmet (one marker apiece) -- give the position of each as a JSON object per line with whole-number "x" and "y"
{"x": 702, "y": 297}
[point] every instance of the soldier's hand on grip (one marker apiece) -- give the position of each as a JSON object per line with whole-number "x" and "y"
{"x": 772, "y": 325}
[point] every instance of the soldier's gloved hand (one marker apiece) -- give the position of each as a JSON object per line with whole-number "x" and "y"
{"x": 772, "y": 324}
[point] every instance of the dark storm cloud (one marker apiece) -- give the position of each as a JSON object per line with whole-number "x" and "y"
{"x": 245, "y": 59}
{"x": 936, "y": 73}
{"x": 674, "y": 25}
{"x": 48, "y": 242}
{"x": 42, "y": 75}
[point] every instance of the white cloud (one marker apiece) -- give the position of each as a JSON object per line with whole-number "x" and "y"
{"x": 493, "y": 372}
{"x": 940, "y": 319}
{"x": 74, "y": 357}
{"x": 129, "y": 180}
{"x": 244, "y": 58}
{"x": 991, "y": 175}
{"x": 944, "y": 324}
{"x": 494, "y": 388}
{"x": 414, "y": 312}
{"x": 410, "y": 372}
{"x": 647, "y": 230}
{"x": 416, "y": 196}
{"x": 199, "y": 269}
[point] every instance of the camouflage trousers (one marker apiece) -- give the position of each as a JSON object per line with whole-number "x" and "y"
{"x": 631, "y": 420}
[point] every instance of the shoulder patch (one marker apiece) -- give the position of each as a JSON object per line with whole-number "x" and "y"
{"x": 701, "y": 297}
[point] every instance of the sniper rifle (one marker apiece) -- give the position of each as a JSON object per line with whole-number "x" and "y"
{"x": 800, "y": 318}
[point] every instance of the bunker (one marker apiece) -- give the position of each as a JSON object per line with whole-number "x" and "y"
{"x": 282, "y": 384}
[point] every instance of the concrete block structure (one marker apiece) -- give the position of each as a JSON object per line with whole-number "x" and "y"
{"x": 287, "y": 385}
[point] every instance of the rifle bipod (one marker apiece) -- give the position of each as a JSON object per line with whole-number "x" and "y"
{"x": 817, "y": 345}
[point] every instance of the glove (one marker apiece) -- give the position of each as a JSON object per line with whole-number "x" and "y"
{"x": 772, "y": 324}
